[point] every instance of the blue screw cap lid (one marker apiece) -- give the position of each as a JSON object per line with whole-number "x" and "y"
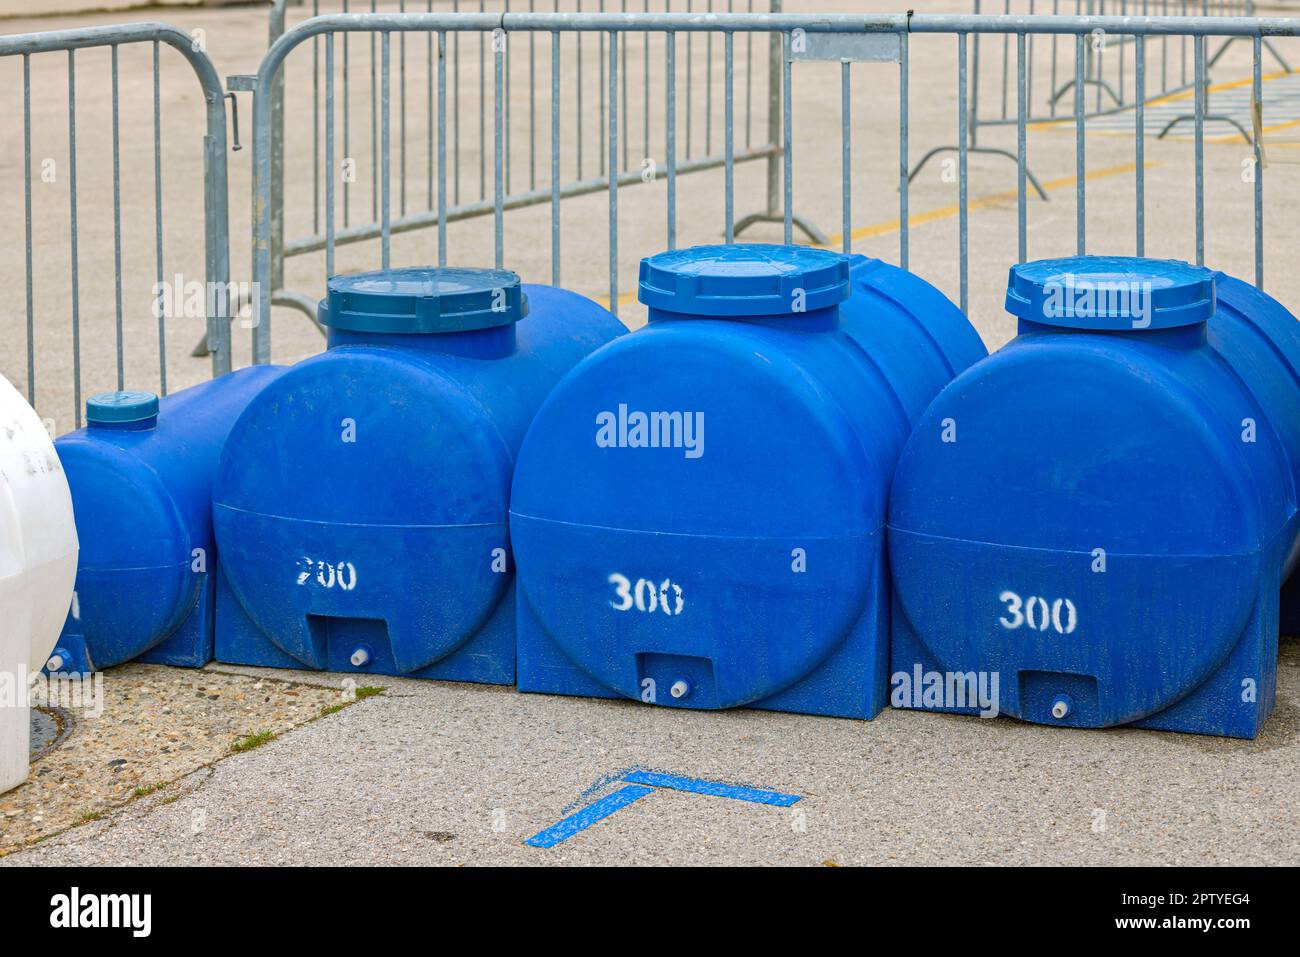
{"x": 424, "y": 300}
{"x": 120, "y": 408}
{"x": 1111, "y": 293}
{"x": 744, "y": 279}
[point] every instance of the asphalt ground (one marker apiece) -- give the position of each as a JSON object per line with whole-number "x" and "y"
{"x": 433, "y": 773}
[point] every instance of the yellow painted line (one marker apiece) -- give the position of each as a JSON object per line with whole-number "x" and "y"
{"x": 944, "y": 212}
{"x": 980, "y": 202}
{"x": 1236, "y": 137}
{"x": 1225, "y": 138}
{"x": 1181, "y": 95}
{"x": 623, "y": 299}
{"x": 1216, "y": 87}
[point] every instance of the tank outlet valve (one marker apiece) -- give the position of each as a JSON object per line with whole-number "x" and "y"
{"x": 680, "y": 689}
{"x": 360, "y": 657}
{"x": 1061, "y": 708}
{"x": 57, "y": 661}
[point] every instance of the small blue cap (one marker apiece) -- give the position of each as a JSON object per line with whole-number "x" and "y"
{"x": 744, "y": 279}
{"x": 424, "y": 300}
{"x": 120, "y": 408}
{"x": 1111, "y": 293}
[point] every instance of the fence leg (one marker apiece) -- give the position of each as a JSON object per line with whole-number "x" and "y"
{"x": 988, "y": 150}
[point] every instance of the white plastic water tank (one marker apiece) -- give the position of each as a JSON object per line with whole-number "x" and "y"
{"x": 38, "y": 564}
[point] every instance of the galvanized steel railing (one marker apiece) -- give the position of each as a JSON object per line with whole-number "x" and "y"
{"x": 842, "y": 38}
{"x": 1108, "y": 71}
{"x": 521, "y": 179}
{"x": 215, "y": 209}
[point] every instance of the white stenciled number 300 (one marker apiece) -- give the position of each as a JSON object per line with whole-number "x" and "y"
{"x": 645, "y": 595}
{"x": 1037, "y": 613}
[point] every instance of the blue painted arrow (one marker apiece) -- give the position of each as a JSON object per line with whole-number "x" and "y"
{"x": 641, "y": 783}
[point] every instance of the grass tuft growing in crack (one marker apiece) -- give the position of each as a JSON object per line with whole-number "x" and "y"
{"x": 250, "y": 741}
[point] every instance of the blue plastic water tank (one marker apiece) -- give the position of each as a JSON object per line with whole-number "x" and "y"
{"x": 698, "y": 512}
{"x": 362, "y": 500}
{"x": 1101, "y": 514}
{"x": 141, "y": 478}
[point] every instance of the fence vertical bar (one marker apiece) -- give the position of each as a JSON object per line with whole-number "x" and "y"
{"x": 216, "y": 238}
{"x": 670, "y": 134}
{"x": 846, "y": 161}
{"x": 329, "y": 155}
{"x": 973, "y": 125}
{"x": 1006, "y": 66}
{"x": 1139, "y": 159}
{"x": 1198, "y": 52}
{"x": 347, "y": 132}
{"x": 645, "y": 90}
{"x": 482, "y": 113}
{"x": 600, "y": 92}
{"x": 442, "y": 148}
{"x": 708, "y": 88}
{"x": 962, "y": 185}
{"x": 578, "y": 111}
{"x": 1164, "y": 52}
{"x": 729, "y": 201}
{"x": 429, "y": 120}
{"x": 532, "y": 105}
{"x": 904, "y": 163}
{"x": 507, "y": 108}
{"x": 749, "y": 84}
{"x": 1257, "y": 131}
{"x": 385, "y": 225}
{"x": 1099, "y": 49}
{"x": 690, "y": 92}
{"x": 455, "y": 122}
{"x": 613, "y": 174}
{"x": 374, "y": 129}
{"x": 117, "y": 223}
{"x": 315, "y": 125}
{"x": 72, "y": 211}
{"x": 498, "y": 158}
{"x": 787, "y": 139}
{"x": 1123, "y": 12}
{"x": 1182, "y": 43}
{"x": 774, "y": 55}
{"x": 158, "y": 218}
{"x": 627, "y": 114}
{"x": 401, "y": 118}
{"x": 277, "y": 160}
{"x": 1051, "y": 104}
{"x": 1029, "y": 67}
{"x": 1080, "y": 197}
{"x": 555, "y": 158}
{"x": 1022, "y": 237}
{"x": 27, "y": 208}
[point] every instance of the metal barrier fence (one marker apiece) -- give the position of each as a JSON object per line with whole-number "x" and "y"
{"x": 1109, "y": 71}
{"x": 839, "y": 38}
{"x": 756, "y": 121}
{"x": 215, "y": 209}
{"x": 1107, "y": 68}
